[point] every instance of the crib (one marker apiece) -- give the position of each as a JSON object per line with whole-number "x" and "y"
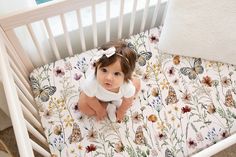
{"x": 18, "y": 57}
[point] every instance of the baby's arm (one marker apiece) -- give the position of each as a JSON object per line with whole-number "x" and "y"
{"x": 125, "y": 105}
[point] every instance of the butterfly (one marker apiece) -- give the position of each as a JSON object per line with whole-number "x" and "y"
{"x": 139, "y": 137}
{"x": 76, "y": 135}
{"x": 229, "y": 101}
{"x": 192, "y": 72}
{"x": 168, "y": 153}
{"x": 171, "y": 98}
{"x": 42, "y": 92}
{"x": 143, "y": 57}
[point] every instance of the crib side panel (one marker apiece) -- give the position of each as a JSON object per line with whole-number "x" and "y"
{"x": 59, "y": 29}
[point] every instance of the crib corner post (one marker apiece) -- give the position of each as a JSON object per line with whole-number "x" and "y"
{"x": 16, "y": 114}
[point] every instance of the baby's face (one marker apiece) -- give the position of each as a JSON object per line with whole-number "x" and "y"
{"x": 111, "y": 77}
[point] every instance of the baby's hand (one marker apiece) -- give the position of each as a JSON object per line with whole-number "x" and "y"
{"x": 101, "y": 113}
{"x": 120, "y": 115}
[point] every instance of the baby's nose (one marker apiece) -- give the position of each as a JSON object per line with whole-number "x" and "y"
{"x": 109, "y": 76}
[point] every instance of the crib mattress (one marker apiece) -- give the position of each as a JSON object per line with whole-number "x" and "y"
{"x": 185, "y": 105}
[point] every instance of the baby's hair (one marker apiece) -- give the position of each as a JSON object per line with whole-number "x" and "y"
{"x": 126, "y": 55}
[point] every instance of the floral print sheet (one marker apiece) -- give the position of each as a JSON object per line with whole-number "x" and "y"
{"x": 185, "y": 105}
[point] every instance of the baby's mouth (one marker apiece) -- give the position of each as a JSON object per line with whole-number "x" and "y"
{"x": 108, "y": 84}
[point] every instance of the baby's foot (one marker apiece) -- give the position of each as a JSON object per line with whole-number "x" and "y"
{"x": 111, "y": 111}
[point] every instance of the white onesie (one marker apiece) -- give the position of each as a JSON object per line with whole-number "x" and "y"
{"x": 92, "y": 88}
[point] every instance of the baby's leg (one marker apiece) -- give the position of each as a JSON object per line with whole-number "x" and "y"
{"x": 111, "y": 109}
{"x": 84, "y": 106}
{"x": 136, "y": 82}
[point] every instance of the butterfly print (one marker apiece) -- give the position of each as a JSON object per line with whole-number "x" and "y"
{"x": 143, "y": 57}
{"x": 168, "y": 153}
{"x": 43, "y": 93}
{"x": 76, "y": 135}
{"x": 192, "y": 72}
{"x": 139, "y": 137}
{"x": 229, "y": 101}
{"x": 171, "y": 98}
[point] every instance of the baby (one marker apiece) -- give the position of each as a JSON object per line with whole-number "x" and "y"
{"x": 111, "y": 88}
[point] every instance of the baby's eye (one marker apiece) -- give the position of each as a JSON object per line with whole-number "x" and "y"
{"x": 104, "y": 70}
{"x": 117, "y": 73}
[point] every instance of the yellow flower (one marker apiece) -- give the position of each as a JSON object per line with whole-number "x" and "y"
{"x": 152, "y": 118}
{"x": 69, "y": 121}
{"x": 165, "y": 84}
{"x": 80, "y": 147}
{"x": 161, "y": 126}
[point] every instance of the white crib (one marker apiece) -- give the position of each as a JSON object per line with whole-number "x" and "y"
{"x": 17, "y": 60}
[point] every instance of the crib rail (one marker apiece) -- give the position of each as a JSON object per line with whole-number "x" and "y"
{"x": 28, "y": 40}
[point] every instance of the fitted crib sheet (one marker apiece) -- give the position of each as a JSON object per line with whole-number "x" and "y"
{"x": 185, "y": 105}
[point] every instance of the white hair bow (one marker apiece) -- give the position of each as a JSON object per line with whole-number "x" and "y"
{"x": 108, "y": 53}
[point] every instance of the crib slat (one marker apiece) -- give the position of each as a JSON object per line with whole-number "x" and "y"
{"x": 20, "y": 51}
{"x": 37, "y": 134}
{"x": 154, "y": 16}
{"x": 132, "y": 20}
{"x": 51, "y": 39}
{"x": 81, "y": 31}
{"x": 36, "y": 43}
{"x": 21, "y": 86}
{"x": 29, "y": 116}
{"x": 120, "y": 25}
{"x": 39, "y": 149}
{"x": 95, "y": 40}
{"x": 27, "y": 104}
{"x": 164, "y": 14}
{"x": 12, "y": 52}
{"x": 67, "y": 37}
{"x": 22, "y": 78}
{"x": 144, "y": 16}
{"x": 16, "y": 114}
{"x": 108, "y": 20}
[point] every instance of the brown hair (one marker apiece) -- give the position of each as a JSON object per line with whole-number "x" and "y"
{"x": 126, "y": 55}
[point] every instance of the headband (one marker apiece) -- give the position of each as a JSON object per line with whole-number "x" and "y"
{"x": 108, "y": 53}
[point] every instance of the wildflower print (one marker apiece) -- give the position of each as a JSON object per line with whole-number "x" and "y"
{"x": 207, "y": 81}
{"x": 47, "y": 114}
{"x": 171, "y": 71}
{"x": 152, "y": 118}
{"x": 185, "y": 105}
{"x": 59, "y": 72}
{"x": 164, "y": 84}
{"x": 162, "y": 136}
{"x": 155, "y": 92}
{"x": 224, "y": 134}
{"x": 211, "y": 108}
{"x": 68, "y": 66}
{"x": 185, "y": 109}
{"x": 57, "y": 130}
{"x": 225, "y": 81}
{"x": 186, "y": 97}
{"x": 137, "y": 117}
{"x": 191, "y": 143}
{"x": 176, "y": 59}
{"x": 69, "y": 121}
{"x": 80, "y": 147}
{"x": 92, "y": 135}
{"x": 153, "y": 39}
{"x": 77, "y": 76}
{"x": 119, "y": 147}
{"x": 82, "y": 65}
{"x": 91, "y": 148}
